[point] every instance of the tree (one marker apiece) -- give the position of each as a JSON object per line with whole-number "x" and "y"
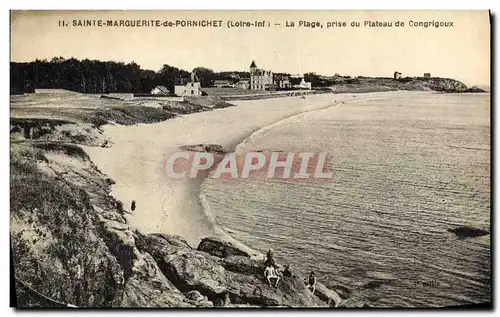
{"x": 169, "y": 74}
{"x": 205, "y": 75}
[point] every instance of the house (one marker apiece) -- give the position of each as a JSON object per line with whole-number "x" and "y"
{"x": 397, "y": 75}
{"x": 223, "y": 83}
{"x": 192, "y": 88}
{"x": 427, "y": 75}
{"x": 283, "y": 82}
{"x": 260, "y": 79}
{"x": 303, "y": 85}
{"x": 160, "y": 90}
{"x": 244, "y": 83}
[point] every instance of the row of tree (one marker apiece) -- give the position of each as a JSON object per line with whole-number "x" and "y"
{"x": 93, "y": 76}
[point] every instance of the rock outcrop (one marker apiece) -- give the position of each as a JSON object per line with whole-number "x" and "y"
{"x": 234, "y": 278}
{"x": 436, "y": 84}
{"x": 217, "y": 247}
{"x": 468, "y": 232}
{"x": 327, "y": 295}
{"x": 476, "y": 89}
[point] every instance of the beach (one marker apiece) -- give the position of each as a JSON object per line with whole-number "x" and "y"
{"x": 135, "y": 161}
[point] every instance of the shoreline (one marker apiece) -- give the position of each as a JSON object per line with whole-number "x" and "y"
{"x": 179, "y": 207}
{"x": 239, "y": 146}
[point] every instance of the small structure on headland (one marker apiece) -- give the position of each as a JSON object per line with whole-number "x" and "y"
{"x": 427, "y": 75}
{"x": 397, "y": 75}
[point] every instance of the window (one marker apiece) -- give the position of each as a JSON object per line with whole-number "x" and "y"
{"x": 192, "y": 92}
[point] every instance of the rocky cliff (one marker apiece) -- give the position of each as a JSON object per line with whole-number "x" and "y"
{"x": 372, "y": 84}
{"x": 436, "y": 84}
{"x": 72, "y": 246}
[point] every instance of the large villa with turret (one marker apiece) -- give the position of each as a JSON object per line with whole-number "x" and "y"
{"x": 262, "y": 79}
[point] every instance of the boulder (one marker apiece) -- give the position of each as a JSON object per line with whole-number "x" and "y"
{"x": 374, "y": 284}
{"x": 198, "y": 299}
{"x": 468, "y": 232}
{"x": 243, "y": 265}
{"x": 327, "y": 295}
{"x": 195, "y": 295}
{"x": 220, "y": 248}
{"x": 158, "y": 244}
{"x": 353, "y": 303}
{"x": 342, "y": 291}
{"x": 223, "y": 301}
{"x": 148, "y": 287}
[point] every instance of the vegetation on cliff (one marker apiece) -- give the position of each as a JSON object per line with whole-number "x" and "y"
{"x": 72, "y": 245}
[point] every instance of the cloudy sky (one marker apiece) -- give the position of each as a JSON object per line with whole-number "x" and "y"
{"x": 461, "y": 51}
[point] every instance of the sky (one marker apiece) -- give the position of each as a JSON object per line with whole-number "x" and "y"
{"x": 461, "y": 51}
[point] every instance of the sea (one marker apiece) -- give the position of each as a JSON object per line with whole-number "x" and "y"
{"x": 404, "y": 172}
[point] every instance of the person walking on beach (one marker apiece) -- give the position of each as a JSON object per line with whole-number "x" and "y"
{"x": 311, "y": 283}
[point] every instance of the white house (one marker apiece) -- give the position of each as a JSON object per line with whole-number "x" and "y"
{"x": 305, "y": 84}
{"x": 192, "y": 88}
{"x": 243, "y": 83}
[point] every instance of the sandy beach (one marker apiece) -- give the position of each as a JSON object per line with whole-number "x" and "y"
{"x": 136, "y": 159}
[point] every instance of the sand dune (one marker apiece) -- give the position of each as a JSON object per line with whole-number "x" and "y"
{"x": 136, "y": 159}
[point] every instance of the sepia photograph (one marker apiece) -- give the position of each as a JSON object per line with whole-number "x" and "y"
{"x": 250, "y": 159}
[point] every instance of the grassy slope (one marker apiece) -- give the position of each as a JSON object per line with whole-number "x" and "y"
{"x": 59, "y": 243}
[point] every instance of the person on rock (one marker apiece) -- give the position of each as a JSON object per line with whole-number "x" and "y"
{"x": 270, "y": 259}
{"x": 288, "y": 271}
{"x": 132, "y": 206}
{"x": 270, "y": 273}
{"x": 311, "y": 283}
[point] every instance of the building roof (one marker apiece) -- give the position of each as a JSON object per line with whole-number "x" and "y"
{"x": 253, "y": 65}
{"x": 221, "y": 81}
{"x": 162, "y": 89}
